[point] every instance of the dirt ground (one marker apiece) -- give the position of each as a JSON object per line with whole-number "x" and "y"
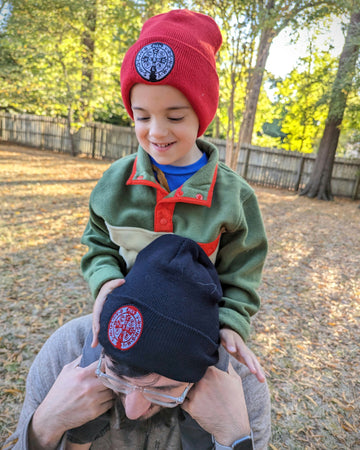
{"x": 306, "y": 333}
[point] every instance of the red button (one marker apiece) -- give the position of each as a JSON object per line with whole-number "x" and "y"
{"x": 179, "y": 194}
{"x": 199, "y": 196}
{"x": 163, "y": 221}
{"x": 140, "y": 177}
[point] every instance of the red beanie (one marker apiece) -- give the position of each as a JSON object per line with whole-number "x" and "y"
{"x": 178, "y": 49}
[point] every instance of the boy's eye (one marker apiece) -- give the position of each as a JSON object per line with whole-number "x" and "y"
{"x": 176, "y": 119}
{"x": 141, "y": 118}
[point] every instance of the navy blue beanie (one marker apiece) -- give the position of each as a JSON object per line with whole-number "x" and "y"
{"x": 165, "y": 318}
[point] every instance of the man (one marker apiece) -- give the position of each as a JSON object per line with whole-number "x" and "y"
{"x": 152, "y": 384}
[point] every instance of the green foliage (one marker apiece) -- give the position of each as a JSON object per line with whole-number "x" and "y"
{"x": 61, "y": 57}
{"x": 301, "y": 101}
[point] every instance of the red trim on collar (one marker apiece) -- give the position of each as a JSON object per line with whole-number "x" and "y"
{"x": 131, "y": 177}
{"x": 211, "y": 190}
{"x": 140, "y": 180}
{"x": 177, "y": 197}
{"x": 199, "y": 200}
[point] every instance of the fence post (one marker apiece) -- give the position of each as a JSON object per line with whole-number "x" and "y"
{"x": 299, "y": 173}
{"x": 42, "y": 134}
{"x": 14, "y": 127}
{"x": 93, "y": 146}
{"x": 356, "y": 186}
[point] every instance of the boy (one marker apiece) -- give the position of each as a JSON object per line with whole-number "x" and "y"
{"x": 175, "y": 183}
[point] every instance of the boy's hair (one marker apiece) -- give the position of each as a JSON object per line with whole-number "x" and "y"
{"x": 178, "y": 49}
{"x": 165, "y": 319}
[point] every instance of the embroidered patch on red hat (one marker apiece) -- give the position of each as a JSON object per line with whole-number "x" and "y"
{"x": 154, "y": 61}
{"x": 125, "y": 327}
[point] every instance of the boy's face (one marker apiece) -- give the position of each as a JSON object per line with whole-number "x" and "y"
{"x": 166, "y": 125}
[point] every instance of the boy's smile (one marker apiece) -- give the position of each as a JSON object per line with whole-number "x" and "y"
{"x": 166, "y": 125}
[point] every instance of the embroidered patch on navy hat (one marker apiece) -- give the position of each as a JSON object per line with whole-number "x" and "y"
{"x": 125, "y": 327}
{"x": 154, "y": 61}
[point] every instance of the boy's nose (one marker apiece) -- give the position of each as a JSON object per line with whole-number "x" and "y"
{"x": 135, "y": 405}
{"x": 157, "y": 129}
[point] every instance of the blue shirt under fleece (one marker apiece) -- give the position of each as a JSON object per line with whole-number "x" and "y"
{"x": 177, "y": 175}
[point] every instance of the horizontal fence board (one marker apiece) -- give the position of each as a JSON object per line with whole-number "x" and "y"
{"x": 269, "y": 167}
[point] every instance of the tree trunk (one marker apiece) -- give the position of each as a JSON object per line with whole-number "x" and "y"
{"x": 230, "y": 130}
{"x": 319, "y": 184}
{"x": 87, "y": 40}
{"x": 73, "y": 148}
{"x": 252, "y": 97}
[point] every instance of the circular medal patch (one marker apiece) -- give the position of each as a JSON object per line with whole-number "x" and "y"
{"x": 154, "y": 61}
{"x": 125, "y": 327}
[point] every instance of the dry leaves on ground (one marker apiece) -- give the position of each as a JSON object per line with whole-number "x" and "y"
{"x": 306, "y": 333}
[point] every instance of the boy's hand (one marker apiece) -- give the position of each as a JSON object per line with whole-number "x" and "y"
{"x": 105, "y": 290}
{"x": 235, "y": 345}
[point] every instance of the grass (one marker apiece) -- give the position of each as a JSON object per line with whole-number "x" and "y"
{"x": 306, "y": 333}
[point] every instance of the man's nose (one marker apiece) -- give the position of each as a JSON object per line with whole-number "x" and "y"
{"x": 135, "y": 405}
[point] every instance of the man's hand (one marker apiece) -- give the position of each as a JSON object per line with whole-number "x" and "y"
{"x": 217, "y": 403}
{"x": 235, "y": 345}
{"x": 105, "y": 290}
{"x": 76, "y": 397}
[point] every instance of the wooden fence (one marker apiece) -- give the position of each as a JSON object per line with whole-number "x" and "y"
{"x": 263, "y": 166}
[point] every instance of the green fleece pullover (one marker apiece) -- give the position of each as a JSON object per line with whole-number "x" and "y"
{"x": 215, "y": 207}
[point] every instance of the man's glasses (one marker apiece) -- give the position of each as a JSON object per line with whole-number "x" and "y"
{"x": 119, "y": 385}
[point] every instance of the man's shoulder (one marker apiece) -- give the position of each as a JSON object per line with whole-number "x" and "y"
{"x": 68, "y": 340}
{"x": 75, "y": 330}
{"x": 61, "y": 348}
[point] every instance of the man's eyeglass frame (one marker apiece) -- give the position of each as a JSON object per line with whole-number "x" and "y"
{"x": 126, "y": 388}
